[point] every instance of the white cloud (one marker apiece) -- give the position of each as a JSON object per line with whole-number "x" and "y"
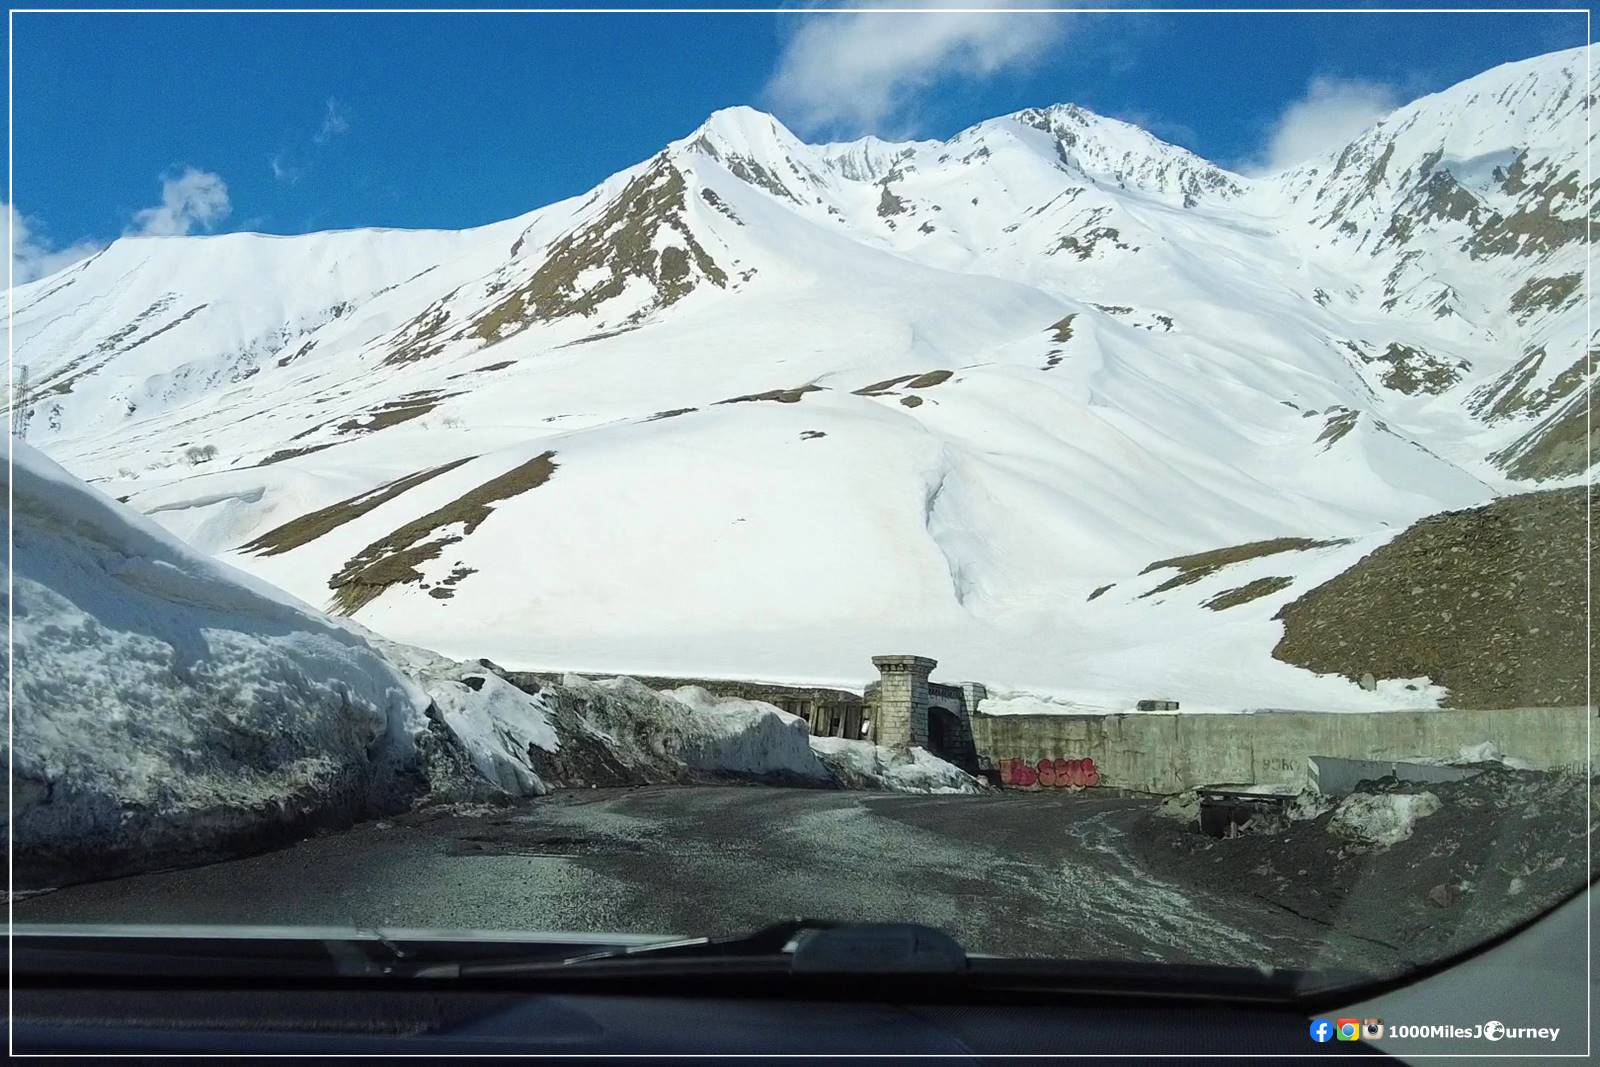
{"x": 333, "y": 123}
{"x": 854, "y": 72}
{"x": 32, "y": 255}
{"x": 192, "y": 198}
{"x": 282, "y": 171}
{"x": 1331, "y": 114}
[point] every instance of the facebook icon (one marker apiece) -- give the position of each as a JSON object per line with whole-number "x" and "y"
{"x": 1321, "y": 1030}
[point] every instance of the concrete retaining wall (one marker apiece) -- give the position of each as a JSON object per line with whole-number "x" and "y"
{"x": 1157, "y": 753}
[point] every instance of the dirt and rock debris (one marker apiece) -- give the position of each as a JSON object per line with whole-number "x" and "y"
{"x": 1481, "y": 855}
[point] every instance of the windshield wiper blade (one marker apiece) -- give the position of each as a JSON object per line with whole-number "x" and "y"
{"x": 800, "y": 947}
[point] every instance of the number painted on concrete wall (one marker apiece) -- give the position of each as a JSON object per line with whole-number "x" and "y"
{"x": 1049, "y": 773}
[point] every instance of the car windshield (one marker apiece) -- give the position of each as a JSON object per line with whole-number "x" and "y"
{"x": 1109, "y": 488}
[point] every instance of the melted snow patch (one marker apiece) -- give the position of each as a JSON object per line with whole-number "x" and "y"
{"x": 1467, "y": 755}
{"x": 1489, "y": 752}
{"x": 1382, "y": 819}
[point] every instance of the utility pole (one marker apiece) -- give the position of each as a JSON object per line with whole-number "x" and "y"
{"x": 19, "y": 405}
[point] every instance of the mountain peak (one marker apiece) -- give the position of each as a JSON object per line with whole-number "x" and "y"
{"x": 869, "y": 158}
{"x": 1110, "y": 151}
{"x": 742, "y": 130}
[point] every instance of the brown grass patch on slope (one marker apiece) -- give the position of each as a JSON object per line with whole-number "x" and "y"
{"x": 395, "y": 412}
{"x": 394, "y": 559}
{"x": 1061, "y": 330}
{"x": 420, "y": 338}
{"x": 782, "y": 396}
{"x": 1200, "y": 565}
{"x": 879, "y": 388}
{"x": 312, "y": 525}
{"x": 290, "y": 453}
{"x": 929, "y": 380}
{"x": 1232, "y": 598}
{"x": 911, "y": 381}
{"x": 1488, "y": 602}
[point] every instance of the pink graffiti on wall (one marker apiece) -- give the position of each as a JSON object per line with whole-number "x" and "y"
{"x": 1051, "y": 773}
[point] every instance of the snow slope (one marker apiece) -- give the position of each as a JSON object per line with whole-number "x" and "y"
{"x": 759, "y": 408}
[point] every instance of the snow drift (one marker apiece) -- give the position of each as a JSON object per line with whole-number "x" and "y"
{"x": 739, "y": 729}
{"x": 863, "y": 765}
{"x": 698, "y": 732}
{"x": 496, "y": 728}
{"x": 169, "y": 706}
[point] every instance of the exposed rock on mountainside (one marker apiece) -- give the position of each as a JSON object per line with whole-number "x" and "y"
{"x": 1562, "y": 445}
{"x": 1127, "y": 158}
{"x": 640, "y": 237}
{"x": 1255, "y": 590}
{"x": 1488, "y": 602}
{"x": 1411, "y": 370}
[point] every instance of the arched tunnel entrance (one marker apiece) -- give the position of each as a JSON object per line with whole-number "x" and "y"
{"x": 944, "y": 735}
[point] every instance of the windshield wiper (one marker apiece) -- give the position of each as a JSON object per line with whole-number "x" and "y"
{"x": 810, "y": 956}
{"x": 800, "y": 947}
{"x": 919, "y": 958}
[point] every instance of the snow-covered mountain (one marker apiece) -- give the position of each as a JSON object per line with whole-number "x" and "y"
{"x": 758, "y": 407}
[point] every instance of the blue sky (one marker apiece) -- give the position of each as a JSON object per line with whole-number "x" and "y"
{"x": 129, "y": 123}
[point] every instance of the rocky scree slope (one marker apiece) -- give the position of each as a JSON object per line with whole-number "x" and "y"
{"x": 1488, "y": 602}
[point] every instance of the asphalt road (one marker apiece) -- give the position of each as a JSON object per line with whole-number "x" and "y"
{"x": 1036, "y": 875}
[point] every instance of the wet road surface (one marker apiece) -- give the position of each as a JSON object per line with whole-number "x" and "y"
{"x": 1018, "y": 874}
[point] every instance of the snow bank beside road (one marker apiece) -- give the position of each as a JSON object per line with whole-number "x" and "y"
{"x": 168, "y": 706}
{"x": 763, "y": 736}
{"x": 863, "y": 765}
{"x": 702, "y": 732}
{"x": 494, "y": 724}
